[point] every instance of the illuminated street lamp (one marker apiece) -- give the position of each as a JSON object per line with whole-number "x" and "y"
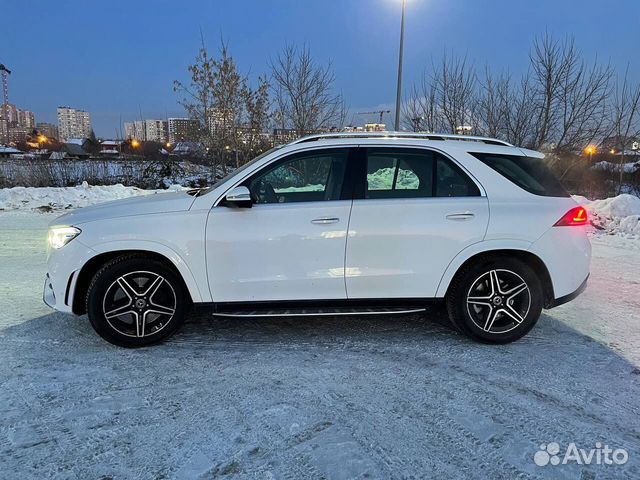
{"x": 400, "y": 58}
{"x": 590, "y": 151}
{"x": 135, "y": 143}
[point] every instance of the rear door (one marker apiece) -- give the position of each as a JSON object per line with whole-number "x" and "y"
{"x": 414, "y": 211}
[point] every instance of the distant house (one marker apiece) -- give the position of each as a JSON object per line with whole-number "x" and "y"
{"x": 187, "y": 148}
{"x": 109, "y": 147}
{"x": 73, "y": 150}
{"x": 78, "y": 141}
{"x": 6, "y": 152}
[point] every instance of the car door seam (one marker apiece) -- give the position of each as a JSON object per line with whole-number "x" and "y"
{"x": 344, "y": 260}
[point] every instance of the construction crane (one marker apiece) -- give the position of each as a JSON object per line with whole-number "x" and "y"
{"x": 377, "y": 112}
{"x": 5, "y": 72}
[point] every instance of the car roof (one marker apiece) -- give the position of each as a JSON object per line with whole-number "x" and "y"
{"x": 446, "y": 143}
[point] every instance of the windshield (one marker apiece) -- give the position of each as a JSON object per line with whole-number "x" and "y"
{"x": 239, "y": 170}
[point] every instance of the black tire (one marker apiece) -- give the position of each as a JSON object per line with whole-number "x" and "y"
{"x": 117, "y": 288}
{"x": 475, "y": 309}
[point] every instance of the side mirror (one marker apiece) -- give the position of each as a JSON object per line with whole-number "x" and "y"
{"x": 238, "y": 197}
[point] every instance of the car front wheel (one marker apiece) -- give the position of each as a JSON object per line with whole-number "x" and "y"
{"x": 495, "y": 301}
{"x": 134, "y": 301}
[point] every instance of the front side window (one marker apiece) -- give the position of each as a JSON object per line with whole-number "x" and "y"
{"x": 304, "y": 177}
{"x": 412, "y": 173}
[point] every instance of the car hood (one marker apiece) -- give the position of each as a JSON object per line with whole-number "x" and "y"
{"x": 142, "y": 205}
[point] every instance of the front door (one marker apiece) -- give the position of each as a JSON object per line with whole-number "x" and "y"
{"x": 290, "y": 245}
{"x": 414, "y": 212}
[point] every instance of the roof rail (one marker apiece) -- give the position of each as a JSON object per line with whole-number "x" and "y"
{"x": 391, "y": 135}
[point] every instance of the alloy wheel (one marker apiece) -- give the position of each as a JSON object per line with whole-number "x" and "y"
{"x": 498, "y": 301}
{"x": 139, "y": 304}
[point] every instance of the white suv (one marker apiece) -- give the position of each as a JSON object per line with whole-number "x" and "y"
{"x": 330, "y": 225}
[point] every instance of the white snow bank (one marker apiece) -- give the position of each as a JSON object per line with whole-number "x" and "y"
{"x": 56, "y": 198}
{"x": 629, "y": 167}
{"x": 615, "y": 215}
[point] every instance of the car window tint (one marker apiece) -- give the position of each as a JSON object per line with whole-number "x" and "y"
{"x": 308, "y": 177}
{"x": 452, "y": 181}
{"x": 397, "y": 173}
{"x": 530, "y": 174}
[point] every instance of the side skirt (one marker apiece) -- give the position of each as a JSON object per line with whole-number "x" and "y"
{"x": 317, "y": 307}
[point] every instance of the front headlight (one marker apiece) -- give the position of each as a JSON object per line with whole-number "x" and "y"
{"x": 60, "y": 236}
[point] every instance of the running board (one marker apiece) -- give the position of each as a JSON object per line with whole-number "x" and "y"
{"x": 318, "y": 312}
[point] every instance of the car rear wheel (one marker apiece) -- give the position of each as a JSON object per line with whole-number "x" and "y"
{"x": 135, "y": 301}
{"x": 495, "y": 301}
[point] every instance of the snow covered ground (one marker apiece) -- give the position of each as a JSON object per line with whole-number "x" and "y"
{"x": 59, "y": 198}
{"x": 353, "y": 397}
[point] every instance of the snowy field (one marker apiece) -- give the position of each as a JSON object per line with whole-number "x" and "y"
{"x": 331, "y": 398}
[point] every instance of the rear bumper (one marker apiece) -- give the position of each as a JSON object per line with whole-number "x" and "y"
{"x": 566, "y": 252}
{"x": 567, "y": 298}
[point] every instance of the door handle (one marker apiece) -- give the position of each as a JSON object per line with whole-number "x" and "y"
{"x": 325, "y": 220}
{"x": 460, "y": 216}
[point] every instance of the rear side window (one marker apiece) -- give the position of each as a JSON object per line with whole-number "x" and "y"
{"x": 414, "y": 173}
{"x": 399, "y": 174}
{"x": 451, "y": 181}
{"x": 530, "y": 174}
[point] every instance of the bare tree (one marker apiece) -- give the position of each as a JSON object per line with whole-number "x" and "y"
{"x": 520, "y": 112}
{"x": 257, "y": 106}
{"x": 421, "y": 112}
{"x": 230, "y": 91}
{"x": 570, "y": 98}
{"x": 230, "y": 115}
{"x": 455, "y": 82}
{"x": 304, "y": 92}
{"x": 550, "y": 59}
{"x": 582, "y": 104}
{"x": 444, "y": 99}
{"x": 625, "y": 117}
{"x": 493, "y": 104}
{"x": 198, "y": 96}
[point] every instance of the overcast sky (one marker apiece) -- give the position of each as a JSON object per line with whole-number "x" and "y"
{"x": 116, "y": 58}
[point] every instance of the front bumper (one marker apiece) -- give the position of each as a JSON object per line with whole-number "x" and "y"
{"x": 48, "y": 295}
{"x": 63, "y": 266}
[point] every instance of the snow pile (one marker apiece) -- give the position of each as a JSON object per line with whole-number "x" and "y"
{"x": 615, "y": 215}
{"x": 56, "y": 198}
{"x": 629, "y": 167}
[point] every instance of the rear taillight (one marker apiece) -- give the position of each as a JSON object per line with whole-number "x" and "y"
{"x": 575, "y": 217}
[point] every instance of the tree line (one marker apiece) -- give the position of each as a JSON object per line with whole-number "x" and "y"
{"x": 560, "y": 104}
{"x": 298, "y": 96}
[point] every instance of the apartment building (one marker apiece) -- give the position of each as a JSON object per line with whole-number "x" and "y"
{"x": 73, "y": 123}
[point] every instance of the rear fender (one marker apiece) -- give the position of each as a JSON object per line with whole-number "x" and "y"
{"x": 481, "y": 247}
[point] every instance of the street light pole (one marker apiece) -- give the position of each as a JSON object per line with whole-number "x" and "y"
{"x": 399, "y": 92}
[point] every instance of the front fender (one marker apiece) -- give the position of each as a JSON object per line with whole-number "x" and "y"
{"x": 161, "y": 249}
